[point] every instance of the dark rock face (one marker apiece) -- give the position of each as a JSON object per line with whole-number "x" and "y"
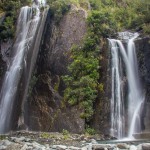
{"x": 101, "y": 119}
{"x": 143, "y": 54}
{"x": 5, "y": 48}
{"x": 45, "y": 104}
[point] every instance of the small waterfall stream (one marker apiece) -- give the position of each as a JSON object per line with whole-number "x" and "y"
{"x": 29, "y": 22}
{"x": 135, "y": 96}
{"x": 117, "y": 111}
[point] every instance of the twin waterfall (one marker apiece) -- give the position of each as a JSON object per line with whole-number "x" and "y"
{"x": 127, "y": 94}
{"x": 126, "y": 103}
{"x": 23, "y": 57}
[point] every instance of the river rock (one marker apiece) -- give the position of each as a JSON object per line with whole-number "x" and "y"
{"x": 60, "y": 147}
{"x": 18, "y": 140}
{"x": 74, "y": 148}
{"x": 139, "y": 147}
{"x": 5, "y": 142}
{"x": 146, "y": 146}
{"x": 14, "y": 146}
{"x": 93, "y": 141}
{"x": 84, "y": 148}
{"x": 122, "y": 146}
{"x": 38, "y": 146}
{"x": 132, "y": 147}
{"x": 2, "y": 147}
{"x": 102, "y": 146}
{"x": 25, "y": 147}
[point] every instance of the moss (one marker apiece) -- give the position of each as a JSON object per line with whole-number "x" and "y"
{"x": 146, "y": 28}
{"x": 33, "y": 81}
{"x": 2, "y": 137}
{"x": 101, "y": 87}
{"x": 90, "y": 131}
{"x": 56, "y": 85}
{"x": 46, "y": 135}
{"x": 66, "y": 134}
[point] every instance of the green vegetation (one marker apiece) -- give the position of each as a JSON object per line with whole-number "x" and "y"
{"x": 82, "y": 83}
{"x": 46, "y": 135}
{"x": 66, "y": 134}
{"x": 126, "y": 13}
{"x": 10, "y": 8}
{"x": 2, "y": 137}
{"x": 90, "y": 131}
{"x": 33, "y": 81}
{"x": 59, "y": 7}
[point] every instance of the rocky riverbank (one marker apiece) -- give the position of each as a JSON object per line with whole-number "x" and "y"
{"x": 23, "y": 140}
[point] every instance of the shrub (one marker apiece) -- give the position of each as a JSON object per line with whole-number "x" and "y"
{"x": 65, "y": 132}
{"x": 11, "y": 9}
{"x": 90, "y": 131}
{"x": 58, "y": 8}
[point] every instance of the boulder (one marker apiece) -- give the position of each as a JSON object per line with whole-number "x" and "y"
{"x": 146, "y": 146}
{"x": 123, "y": 146}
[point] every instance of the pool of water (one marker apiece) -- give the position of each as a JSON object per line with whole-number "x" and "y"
{"x": 128, "y": 141}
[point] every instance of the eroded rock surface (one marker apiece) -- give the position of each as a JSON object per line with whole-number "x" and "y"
{"x": 45, "y": 104}
{"x": 143, "y": 54}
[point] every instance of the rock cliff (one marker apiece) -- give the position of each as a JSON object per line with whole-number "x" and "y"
{"x": 143, "y": 53}
{"x": 45, "y": 103}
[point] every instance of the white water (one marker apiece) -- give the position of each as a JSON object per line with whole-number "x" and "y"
{"x": 26, "y": 30}
{"x": 135, "y": 94}
{"x": 117, "y": 112}
{"x": 39, "y": 2}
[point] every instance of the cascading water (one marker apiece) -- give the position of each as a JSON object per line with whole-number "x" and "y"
{"x": 117, "y": 110}
{"x": 135, "y": 92}
{"x": 29, "y": 22}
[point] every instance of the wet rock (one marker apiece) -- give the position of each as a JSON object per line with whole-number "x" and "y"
{"x": 132, "y": 147}
{"x": 143, "y": 55}
{"x": 38, "y": 146}
{"x": 60, "y": 147}
{"x": 14, "y": 146}
{"x": 25, "y": 147}
{"x": 93, "y": 141}
{"x": 4, "y": 144}
{"x": 18, "y": 140}
{"x": 139, "y": 147}
{"x": 122, "y": 146}
{"x": 2, "y": 147}
{"x": 102, "y": 147}
{"x": 74, "y": 148}
{"x": 45, "y": 103}
{"x": 86, "y": 148}
{"x": 146, "y": 146}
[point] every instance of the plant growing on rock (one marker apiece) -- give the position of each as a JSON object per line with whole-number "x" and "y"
{"x": 65, "y": 134}
{"x": 58, "y": 8}
{"x": 11, "y": 9}
{"x": 90, "y": 131}
{"x": 83, "y": 80}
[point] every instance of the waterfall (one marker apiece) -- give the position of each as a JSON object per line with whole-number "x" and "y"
{"x": 29, "y": 23}
{"x": 116, "y": 101}
{"x": 135, "y": 97}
